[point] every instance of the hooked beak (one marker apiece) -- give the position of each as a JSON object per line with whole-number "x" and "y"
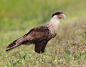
{"x": 64, "y": 16}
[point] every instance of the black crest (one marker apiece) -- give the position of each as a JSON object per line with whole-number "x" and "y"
{"x": 57, "y": 13}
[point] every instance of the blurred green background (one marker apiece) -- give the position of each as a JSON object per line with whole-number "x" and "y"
{"x": 17, "y": 17}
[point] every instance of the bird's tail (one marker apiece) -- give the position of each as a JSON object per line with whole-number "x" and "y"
{"x": 12, "y": 45}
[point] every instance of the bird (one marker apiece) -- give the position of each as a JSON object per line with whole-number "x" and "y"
{"x": 39, "y": 36}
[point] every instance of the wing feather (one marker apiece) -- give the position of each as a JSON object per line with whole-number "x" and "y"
{"x": 38, "y": 34}
{"x": 35, "y": 35}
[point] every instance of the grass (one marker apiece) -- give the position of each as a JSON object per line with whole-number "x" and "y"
{"x": 67, "y": 49}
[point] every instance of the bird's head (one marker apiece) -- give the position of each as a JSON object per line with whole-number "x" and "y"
{"x": 59, "y": 15}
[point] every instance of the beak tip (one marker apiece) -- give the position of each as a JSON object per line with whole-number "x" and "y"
{"x": 64, "y": 17}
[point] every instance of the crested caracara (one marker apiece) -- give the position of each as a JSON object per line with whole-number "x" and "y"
{"x": 39, "y": 35}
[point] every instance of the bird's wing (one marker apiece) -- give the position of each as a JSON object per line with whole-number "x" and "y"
{"x": 35, "y": 35}
{"x": 38, "y": 34}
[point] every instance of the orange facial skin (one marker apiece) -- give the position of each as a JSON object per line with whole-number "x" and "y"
{"x": 60, "y": 15}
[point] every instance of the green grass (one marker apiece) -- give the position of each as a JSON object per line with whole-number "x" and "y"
{"x": 67, "y": 49}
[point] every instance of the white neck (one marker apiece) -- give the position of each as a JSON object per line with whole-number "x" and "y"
{"x": 55, "y": 20}
{"x": 53, "y": 25}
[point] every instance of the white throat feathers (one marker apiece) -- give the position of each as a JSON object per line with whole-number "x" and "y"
{"x": 55, "y": 20}
{"x": 53, "y": 25}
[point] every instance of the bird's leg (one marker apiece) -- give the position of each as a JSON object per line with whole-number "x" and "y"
{"x": 37, "y": 54}
{"x": 42, "y": 54}
{"x": 42, "y": 57}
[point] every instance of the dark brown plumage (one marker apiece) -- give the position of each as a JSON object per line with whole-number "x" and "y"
{"x": 38, "y": 36}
